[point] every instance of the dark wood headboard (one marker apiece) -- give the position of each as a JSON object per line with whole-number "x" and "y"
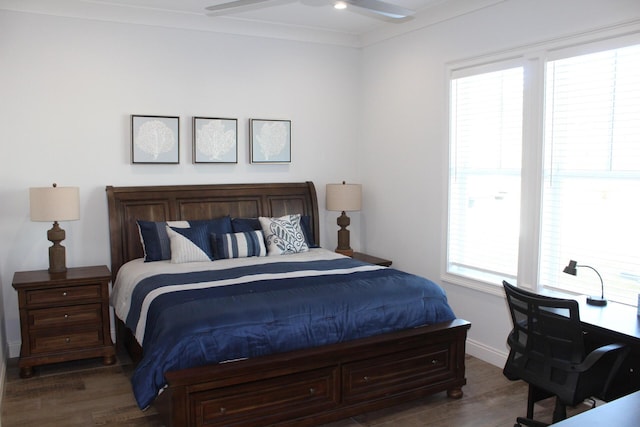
{"x": 193, "y": 202}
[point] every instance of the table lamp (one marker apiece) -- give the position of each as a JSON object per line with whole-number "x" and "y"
{"x": 344, "y": 198}
{"x": 592, "y": 300}
{"x": 55, "y": 204}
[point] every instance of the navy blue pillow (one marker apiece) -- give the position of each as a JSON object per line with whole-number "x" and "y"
{"x": 241, "y": 225}
{"x": 217, "y": 226}
{"x": 305, "y": 224}
{"x": 250, "y": 224}
{"x": 155, "y": 241}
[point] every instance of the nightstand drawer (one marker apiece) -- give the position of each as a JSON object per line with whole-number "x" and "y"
{"x": 69, "y": 316}
{"x": 45, "y": 343}
{"x": 63, "y": 295}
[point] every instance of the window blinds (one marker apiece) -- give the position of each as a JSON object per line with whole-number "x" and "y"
{"x": 591, "y": 189}
{"x": 484, "y": 174}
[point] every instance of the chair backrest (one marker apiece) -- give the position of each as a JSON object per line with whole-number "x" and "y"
{"x": 546, "y": 341}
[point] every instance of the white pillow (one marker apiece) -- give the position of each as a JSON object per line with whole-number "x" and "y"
{"x": 283, "y": 235}
{"x": 189, "y": 244}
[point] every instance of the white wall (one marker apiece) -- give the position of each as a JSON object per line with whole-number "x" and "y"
{"x": 68, "y": 86}
{"x": 404, "y": 165}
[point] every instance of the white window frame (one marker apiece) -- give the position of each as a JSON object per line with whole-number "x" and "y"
{"x": 533, "y": 58}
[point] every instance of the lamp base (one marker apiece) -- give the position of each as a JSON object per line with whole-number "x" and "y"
{"x": 57, "y": 255}
{"x": 598, "y": 301}
{"x": 344, "y": 247}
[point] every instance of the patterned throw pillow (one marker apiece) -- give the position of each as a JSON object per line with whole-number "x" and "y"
{"x": 189, "y": 244}
{"x": 238, "y": 245}
{"x": 248, "y": 224}
{"x": 283, "y": 235}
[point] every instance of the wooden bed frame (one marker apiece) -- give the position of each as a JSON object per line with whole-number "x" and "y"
{"x": 299, "y": 388}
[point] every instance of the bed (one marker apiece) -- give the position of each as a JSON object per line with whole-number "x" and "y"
{"x": 328, "y": 372}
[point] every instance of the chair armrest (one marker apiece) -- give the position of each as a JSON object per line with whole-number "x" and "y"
{"x": 593, "y": 357}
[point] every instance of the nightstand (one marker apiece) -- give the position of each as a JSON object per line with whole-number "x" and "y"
{"x": 63, "y": 316}
{"x": 371, "y": 259}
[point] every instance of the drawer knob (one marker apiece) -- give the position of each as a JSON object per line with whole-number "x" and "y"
{"x": 223, "y": 410}
{"x": 312, "y": 391}
{"x": 365, "y": 379}
{"x": 64, "y": 294}
{"x": 66, "y": 316}
{"x": 67, "y": 340}
{"x": 434, "y": 362}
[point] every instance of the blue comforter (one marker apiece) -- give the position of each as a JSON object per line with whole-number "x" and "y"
{"x": 195, "y": 318}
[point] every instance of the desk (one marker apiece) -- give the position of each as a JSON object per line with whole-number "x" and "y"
{"x": 615, "y": 322}
{"x": 612, "y": 323}
{"x": 615, "y": 319}
{"x": 623, "y": 412}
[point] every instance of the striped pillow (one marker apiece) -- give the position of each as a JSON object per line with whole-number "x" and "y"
{"x": 238, "y": 245}
{"x": 154, "y": 238}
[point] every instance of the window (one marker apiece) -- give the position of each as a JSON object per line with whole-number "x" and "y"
{"x": 575, "y": 194}
{"x": 591, "y": 189}
{"x": 484, "y": 181}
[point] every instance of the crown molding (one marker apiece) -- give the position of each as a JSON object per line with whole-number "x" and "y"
{"x": 107, "y": 12}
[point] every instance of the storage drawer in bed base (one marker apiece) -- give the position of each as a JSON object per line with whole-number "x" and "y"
{"x": 271, "y": 400}
{"x": 393, "y": 373}
{"x": 315, "y": 386}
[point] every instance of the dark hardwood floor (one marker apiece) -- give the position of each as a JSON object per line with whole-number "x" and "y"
{"x": 86, "y": 393}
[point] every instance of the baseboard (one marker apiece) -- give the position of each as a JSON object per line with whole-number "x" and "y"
{"x": 486, "y": 353}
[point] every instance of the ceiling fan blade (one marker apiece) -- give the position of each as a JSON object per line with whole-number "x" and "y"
{"x": 383, "y": 8}
{"x": 223, "y": 8}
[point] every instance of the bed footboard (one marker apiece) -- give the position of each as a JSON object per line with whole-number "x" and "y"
{"x": 315, "y": 386}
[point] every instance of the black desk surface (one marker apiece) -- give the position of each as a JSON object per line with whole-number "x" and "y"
{"x": 623, "y": 412}
{"x": 613, "y": 318}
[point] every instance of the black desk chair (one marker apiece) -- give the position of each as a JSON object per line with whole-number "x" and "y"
{"x": 548, "y": 352}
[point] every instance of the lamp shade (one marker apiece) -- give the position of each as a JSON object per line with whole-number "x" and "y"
{"x": 344, "y": 197}
{"x": 54, "y": 203}
{"x": 571, "y": 268}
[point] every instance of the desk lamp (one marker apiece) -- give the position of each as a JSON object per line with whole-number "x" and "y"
{"x": 55, "y": 204}
{"x": 592, "y": 300}
{"x": 344, "y": 198}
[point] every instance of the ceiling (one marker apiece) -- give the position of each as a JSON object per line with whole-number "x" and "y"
{"x": 307, "y": 20}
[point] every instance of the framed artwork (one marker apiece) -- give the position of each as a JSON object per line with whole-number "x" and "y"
{"x": 155, "y": 139}
{"x": 270, "y": 141}
{"x": 215, "y": 140}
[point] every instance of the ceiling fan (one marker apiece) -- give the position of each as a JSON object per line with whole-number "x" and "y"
{"x": 378, "y": 7}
